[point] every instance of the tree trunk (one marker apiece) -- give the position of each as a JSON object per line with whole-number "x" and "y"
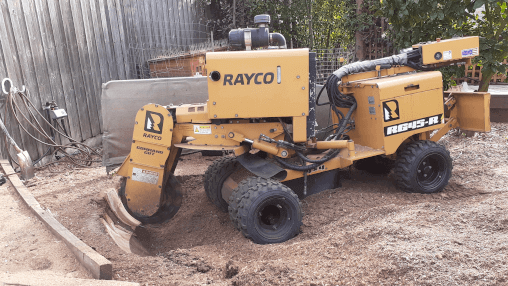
{"x": 360, "y": 45}
{"x": 311, "y": 36}
{"x": 485, "y": 82}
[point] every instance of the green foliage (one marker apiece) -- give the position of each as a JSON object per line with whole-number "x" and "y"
{"x": 416, "y": 21}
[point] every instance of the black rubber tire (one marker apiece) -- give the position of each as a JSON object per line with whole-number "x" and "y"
{"x": 375, "y": 165}
{"x": 237, "y": 196}
{"x": 215, "y": 176}
{"x": 270, "y": 212}
{"x": 423, "y": 167}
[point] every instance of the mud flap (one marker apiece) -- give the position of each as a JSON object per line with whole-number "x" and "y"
{"x": 149, "y": 192}
{"x": 261, "y": 167}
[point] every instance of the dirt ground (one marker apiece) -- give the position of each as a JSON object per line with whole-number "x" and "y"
{"x": 365, "y": 233}
{"x": 27, "y": 247}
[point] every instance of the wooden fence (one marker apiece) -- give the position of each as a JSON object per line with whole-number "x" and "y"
{"x": 64, "y": 50}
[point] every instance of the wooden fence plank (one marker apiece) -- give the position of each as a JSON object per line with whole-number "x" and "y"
{"x": 123, "y": 37}
{"x": 44, "y": 91}
{"x": 28, "y": 70}
{"x": 99, "y": 41}
{"x": 77, "y": 71}
{"x": 154, "y": 25}
{"x": 50, "y": 54}
{"x": 95, "y": 69}
{"x": 86, "y": 68}
{"x": 136, "y": 46}
{"x": 107, "y": 39}
{"x": 166, "y": 26}
{"x": 176, "y": 17}
{"x": 148, "y": 32}
{"x": 115, "y": 33}
{"x": 3, "y": 74}
{"x": 130, "y": 36}
{"x": 64, "y": 65}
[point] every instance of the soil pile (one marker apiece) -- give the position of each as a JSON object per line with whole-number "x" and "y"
{"x": 366, "y": 232}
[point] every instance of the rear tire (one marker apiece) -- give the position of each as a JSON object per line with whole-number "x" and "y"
{"x": 237, "y": 196}
{"x": 214, "y": 178}
{"x": 423, "y": 167}
{"x": 270, "y": 212}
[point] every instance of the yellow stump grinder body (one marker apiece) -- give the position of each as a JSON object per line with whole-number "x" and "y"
{"x": 262, "y": 107}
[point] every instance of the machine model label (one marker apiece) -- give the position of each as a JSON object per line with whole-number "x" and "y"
{"x": 145, "y": 176}
{"x": 413, "y": 125}
{"x": 149, "y": 151}
{"x": 247, "y": 79}
{"x": 391, "y": 110}
{"x": 470, "y": 52}
{"x": 202, "y": 129}
{"x": 447, "y": 55}
{"x": 154, "y": 122}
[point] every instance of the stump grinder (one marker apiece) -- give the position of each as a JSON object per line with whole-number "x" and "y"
{"x": 262, "y": 107}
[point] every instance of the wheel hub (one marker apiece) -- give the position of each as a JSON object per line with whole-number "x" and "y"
{"x": 272, "y": 215}
{"x": 431, "y": 170}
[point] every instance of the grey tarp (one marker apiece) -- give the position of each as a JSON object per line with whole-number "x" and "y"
{"x": 121, "y": 100}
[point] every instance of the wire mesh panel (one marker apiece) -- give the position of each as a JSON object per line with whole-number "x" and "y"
{"x": 171, "y": 49}
{"x": 330, "y": 60}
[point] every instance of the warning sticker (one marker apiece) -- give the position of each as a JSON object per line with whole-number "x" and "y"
{"x": 202, "y": 129}
{"x": 470, "y": 52}
{"x": 145, "y": 176}
{"x": 447, "y": 55}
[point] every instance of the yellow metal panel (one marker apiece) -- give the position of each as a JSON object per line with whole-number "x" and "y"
{"x": 405, "y": 84}
{"x": 220, "y": 134}
{"x": 472, "y": 110}
{"x": 144, "y": 167}
{"x": 249, "y": 88}
{"x": 412, "y": 97}
{"x": 300, "y": 129}
{"x": 416, "y": 111}
{"x": 450, "y": 50}
{"x": 196, "y": 113}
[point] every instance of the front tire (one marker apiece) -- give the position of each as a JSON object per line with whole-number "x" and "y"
{"x": 215, "y": 176}
{"x": 423, "y": 167}
{"x": 270, "y": 212}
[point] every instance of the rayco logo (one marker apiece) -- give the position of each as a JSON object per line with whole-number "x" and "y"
{"x": 413, "y": 125}
{"x": 246, "y": 79}
{"x": 154, "y": 122}
{"x": 391, "y": 110}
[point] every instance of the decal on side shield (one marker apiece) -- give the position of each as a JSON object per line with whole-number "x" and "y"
{"x": 391, "y": 110}
{"x": 413, "y": 125}
{"x": 154, "y": 122}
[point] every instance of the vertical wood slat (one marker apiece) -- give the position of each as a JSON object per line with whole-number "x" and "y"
{"x": 86, "y": 70}
{"x": 94, "y": 60}
{"x": 115, "y": 33}
{"x": 13, "y": 69}
{"x": 64, "y": 65}
{"x": 76, "y": 69}
{"x": 123, "y": 37}
{"x": 44, "y": 91}
{"x": 99, "y": 42}
{"x": 27, "y": 70}
{"x": 3, "y": 74}
{"x": 50, "y": 55}
{"x": 107, "y": 39}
